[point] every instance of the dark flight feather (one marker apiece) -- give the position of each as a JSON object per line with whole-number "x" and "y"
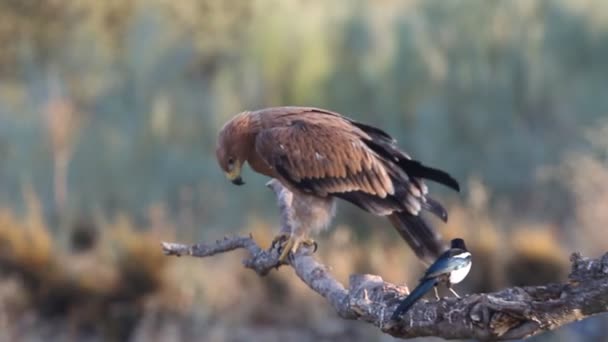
{"x": 413, "y": 168}
{"x": 435, "y": 208}
{"x": 421, "y": 237}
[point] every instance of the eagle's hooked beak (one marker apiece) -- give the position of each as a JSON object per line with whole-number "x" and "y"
{"x": 235, "y": 175}
{"x": 238, "y": 181}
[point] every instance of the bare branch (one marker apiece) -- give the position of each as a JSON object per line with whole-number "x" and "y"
{"x": 512, "y": 313}
{"x": 261, "y": 261}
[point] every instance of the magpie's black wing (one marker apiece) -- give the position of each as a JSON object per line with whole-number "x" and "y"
{"x": 446, "y": 263}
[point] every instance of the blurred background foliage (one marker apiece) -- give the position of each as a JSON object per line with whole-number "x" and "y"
{"x": 109, "y": 112}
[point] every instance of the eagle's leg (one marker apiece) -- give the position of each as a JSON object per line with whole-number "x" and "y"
{"x": 280, "y": 239}
{"x": 291, "y": 236}
{"x": 285, "y": 201}
{"x": 436, "y": 293}
{"x": 287, "y": 247}
{"x": 309, "y": 214}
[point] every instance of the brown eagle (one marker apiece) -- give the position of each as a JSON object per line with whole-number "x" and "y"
{"x": 319, "y": 155}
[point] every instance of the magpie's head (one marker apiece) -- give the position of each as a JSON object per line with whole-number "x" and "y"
{"x": 458, "y": 243}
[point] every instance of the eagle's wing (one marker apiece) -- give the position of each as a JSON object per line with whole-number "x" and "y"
{"x": 323, "y": 155}
{"x": 376, "y": 139}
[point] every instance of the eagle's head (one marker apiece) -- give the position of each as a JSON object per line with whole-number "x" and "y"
{"x": 234, "y": 146}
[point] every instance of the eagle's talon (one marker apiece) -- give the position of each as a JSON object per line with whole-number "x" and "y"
{"x": 286, "y": 247}
{"x": 310, "y": 243}
{"x": 279, "y": 239}
{"x": 291, "y": 245}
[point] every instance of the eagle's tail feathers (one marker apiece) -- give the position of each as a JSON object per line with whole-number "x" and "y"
{"x": 436, "y": 208}
{"x": 413, "y": 168}
{"x": 416, "y": 169}
{"x": 418, "y": 234}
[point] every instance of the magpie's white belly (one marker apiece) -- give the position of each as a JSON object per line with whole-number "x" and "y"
{"x": 458, "y": 275}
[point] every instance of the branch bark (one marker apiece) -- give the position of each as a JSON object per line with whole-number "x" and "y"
{"x": 512, "y": 313}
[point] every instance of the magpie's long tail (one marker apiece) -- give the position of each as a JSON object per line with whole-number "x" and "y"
{"x": 422, "y": 238}
{"x": 422, "y": 288}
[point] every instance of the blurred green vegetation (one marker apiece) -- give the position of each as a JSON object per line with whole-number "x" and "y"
{"x": 109, "y": 112}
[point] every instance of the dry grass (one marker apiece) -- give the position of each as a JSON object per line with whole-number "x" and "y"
{"x": 537, "y": 257}
{"x": 121, "y": 283}
{"x": 104, "y": 288}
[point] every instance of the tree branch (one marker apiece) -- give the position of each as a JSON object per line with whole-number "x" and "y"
{"x": 511, "y": 313}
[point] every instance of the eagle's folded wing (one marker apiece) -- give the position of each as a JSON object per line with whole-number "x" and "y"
{"x": 324, "y": 158}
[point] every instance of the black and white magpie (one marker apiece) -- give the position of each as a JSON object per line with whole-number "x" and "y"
{"x": 450, "y": 268}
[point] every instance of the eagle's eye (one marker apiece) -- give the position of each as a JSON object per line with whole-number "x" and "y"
{"x": 230, "y": 163}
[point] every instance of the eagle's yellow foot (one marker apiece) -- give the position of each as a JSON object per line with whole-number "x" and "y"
{"x": 309, "y": 243}
{"x": 292, "y": 244}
